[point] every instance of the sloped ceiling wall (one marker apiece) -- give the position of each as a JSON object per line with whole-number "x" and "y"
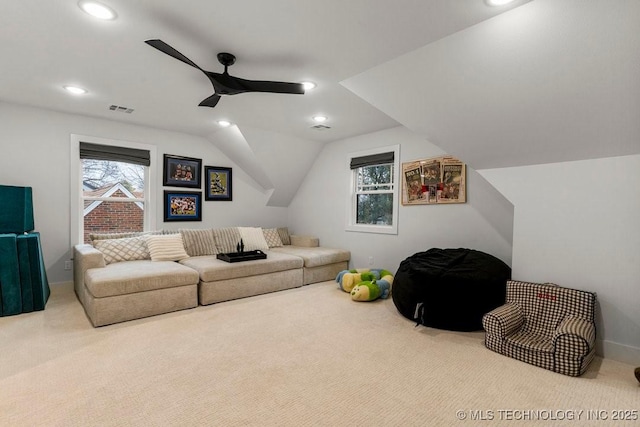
{"x": 549, "y": 81}
{"x": 275, "y": 163}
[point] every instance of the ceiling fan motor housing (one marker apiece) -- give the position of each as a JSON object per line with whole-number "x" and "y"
{"x": 226, "y": 59}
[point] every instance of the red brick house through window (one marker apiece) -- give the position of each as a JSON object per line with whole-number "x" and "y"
{"x": 103, "y": 216}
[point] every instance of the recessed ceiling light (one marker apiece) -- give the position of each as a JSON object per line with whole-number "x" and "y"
{"x": 75, "y": 90}
{"x": 320, "y": 119}
{"x": 97, "y": 10}
{"x": 308, "y": 85}
{"x": 224, "y": 123}
{"x": 497, "y": 2}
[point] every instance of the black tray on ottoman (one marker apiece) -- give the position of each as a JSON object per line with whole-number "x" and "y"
{"x": 242, "y": 256}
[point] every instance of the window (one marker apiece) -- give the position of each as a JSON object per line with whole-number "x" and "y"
{"x": 113, "y": 187}
{"x": 112, "y": 196}
{"x": 374, "y": 194}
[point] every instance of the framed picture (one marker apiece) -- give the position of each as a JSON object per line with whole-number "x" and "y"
{"x": 182, "y": 206}
{"x": 436, "y": 180}
{"x": 218, "y": 183}
{"x": 181, "y": 171}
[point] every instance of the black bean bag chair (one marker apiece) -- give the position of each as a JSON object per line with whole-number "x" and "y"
{"x": 450, "y": 288}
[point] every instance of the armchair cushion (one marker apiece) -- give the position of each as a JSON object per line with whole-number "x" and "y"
{"x": 504, "y": 320}
{"x": 575, "y": 335}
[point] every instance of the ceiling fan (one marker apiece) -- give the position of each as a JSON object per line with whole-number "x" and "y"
{"x": 225, "y": 84}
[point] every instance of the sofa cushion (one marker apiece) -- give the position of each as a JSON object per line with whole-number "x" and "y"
{"x": 211, "y": 269}
{"x": 127, "y": 249}
{"x": 315, "y": 256}
{"x": 226, "y": 239}
{"x": 199, "y": 242}
{"x": 167, "y": 247}
{"x": 137, "y": 276}
{"x": 272, "y": 237}
{"x": 253, "y": 239}
{"x": 304, "y": 241}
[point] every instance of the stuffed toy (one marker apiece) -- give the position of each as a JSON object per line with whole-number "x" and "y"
{"x": 347, "y": 279}
{"x": 372, "y": 290}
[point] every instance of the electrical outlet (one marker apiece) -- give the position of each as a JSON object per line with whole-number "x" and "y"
{"x": 68, "y": 265}
{"x": 370, "y": 260}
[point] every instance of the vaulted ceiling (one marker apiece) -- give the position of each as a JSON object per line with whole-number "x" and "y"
{"x": 550, "y": 81}
{"x": 532, "y": 82}
{"x": 47, "y": 44}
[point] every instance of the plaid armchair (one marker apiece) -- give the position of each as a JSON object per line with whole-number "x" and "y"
{"x": 545, "y": 325}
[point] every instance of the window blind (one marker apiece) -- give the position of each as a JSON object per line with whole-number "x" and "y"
{"x": 373, "y": 159}
{"x": 115, "y": 153}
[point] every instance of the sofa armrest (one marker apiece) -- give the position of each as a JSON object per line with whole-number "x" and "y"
{"x": 574, "y": 335}
{"x": 504, "y": 320}
{"x": 85, "y": 257}
{"x": 306, "y": 241}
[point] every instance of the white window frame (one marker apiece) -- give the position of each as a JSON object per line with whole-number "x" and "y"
{"x": 77, "y": 206}
{"x": 352, "y": 210}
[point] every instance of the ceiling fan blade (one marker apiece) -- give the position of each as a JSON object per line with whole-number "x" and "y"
{"x": 225, "y": 84}
{"x": 165, "y": 48}
{"x": 211, "y": 101}
{"x": 268, "y": 86}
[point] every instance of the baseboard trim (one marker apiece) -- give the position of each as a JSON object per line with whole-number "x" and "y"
{"x": 66, "y": 283}
{"x": 620, "y": 352}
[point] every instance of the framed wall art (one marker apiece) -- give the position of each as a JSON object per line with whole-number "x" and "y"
{"x": 218, "y": 183}
{"x": 182, "y": 206}
{"x": 181, "y": 171}
{"x": 436, "y": 180}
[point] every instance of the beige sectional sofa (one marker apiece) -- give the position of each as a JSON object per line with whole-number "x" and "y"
{"x": 320, "y": 263}
{"x": 223, "y": 281}
{"x": 130, "y": 284}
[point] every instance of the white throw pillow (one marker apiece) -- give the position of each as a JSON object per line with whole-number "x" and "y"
{"x": 253, "y": 239}
{"x": 168, "y": 247}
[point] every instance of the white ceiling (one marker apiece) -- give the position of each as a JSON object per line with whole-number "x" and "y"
{"x": 550, "y": 81}
{"x": 46, "y": 44}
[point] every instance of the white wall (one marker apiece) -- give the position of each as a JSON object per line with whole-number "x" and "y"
{"x": 320, "y": 208}
{"x": 576, "y": 224}
{"x": 35, "y": 152}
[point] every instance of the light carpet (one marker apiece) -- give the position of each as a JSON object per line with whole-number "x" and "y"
{"x": 303, "y": 357}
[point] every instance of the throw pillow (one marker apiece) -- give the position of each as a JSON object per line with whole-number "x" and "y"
{"x": 226, "y": 239}
{"x": 167, "y": 247}
{"x": 168, "y": 232}
{"x": 284, "y": 235}
{"x": 117, "y": 250}
{"x": 272, "y": 237}
{"x": 199, "y": 242}
{"x": 110, "y": 236}
{"x": 253, "y": 239}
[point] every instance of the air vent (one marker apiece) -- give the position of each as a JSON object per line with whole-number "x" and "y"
{"x": 121, "y": 109}
{"x": 320, "y": 127}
